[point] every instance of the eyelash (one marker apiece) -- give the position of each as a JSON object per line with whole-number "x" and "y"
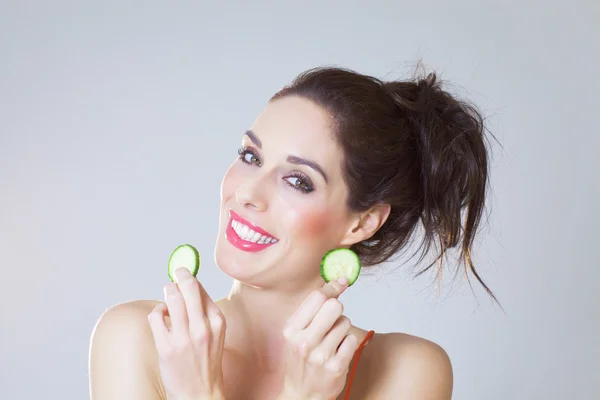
{"x": 244, "y": 151}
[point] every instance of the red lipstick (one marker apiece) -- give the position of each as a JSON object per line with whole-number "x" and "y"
{"x": 240, "y": 243}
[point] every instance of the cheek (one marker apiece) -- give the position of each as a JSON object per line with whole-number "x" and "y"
{"x": 312, "y": 223}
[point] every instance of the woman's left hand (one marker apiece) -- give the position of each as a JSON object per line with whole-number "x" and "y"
{"x": 319, "y": 347}
{"x": 191, "y": 350}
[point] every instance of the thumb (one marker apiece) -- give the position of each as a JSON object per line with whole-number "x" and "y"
{"x": 334, "y": 288}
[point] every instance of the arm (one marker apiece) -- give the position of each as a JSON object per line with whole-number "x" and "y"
{"x": 123, "y": 361}
{"x": 417, "y": 369}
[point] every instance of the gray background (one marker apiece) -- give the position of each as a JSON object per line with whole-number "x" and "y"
{"x": 117, "y": 121}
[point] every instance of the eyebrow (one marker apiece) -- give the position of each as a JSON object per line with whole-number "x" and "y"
{"x": 308, "y": 163}
{"x": 254, "y": 139}
{"x": 291, "y": 159}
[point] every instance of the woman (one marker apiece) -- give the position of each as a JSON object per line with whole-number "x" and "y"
{"x": 336, "y": 159}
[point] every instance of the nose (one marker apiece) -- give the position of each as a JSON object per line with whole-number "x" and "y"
{"x": 252, "y": 195}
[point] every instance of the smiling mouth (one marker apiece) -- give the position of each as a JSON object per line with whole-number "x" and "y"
{"x": 249, "y": 235}
{"x": 245, "y": 236}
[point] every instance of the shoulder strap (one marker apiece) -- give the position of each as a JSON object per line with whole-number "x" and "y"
{"x": 355, "y": 363}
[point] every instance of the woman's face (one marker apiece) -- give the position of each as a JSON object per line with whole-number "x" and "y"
{"x": 283, "y": 201}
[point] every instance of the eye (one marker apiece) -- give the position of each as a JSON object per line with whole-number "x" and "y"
{"x": 248, "y": 156}
{"x": 301, "y": 182}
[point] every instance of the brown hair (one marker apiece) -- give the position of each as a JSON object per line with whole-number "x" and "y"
{"x": 409, "y": 144}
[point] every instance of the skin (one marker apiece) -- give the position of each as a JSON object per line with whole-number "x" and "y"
{"x": 131, "y": 352}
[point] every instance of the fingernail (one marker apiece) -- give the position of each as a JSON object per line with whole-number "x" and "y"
{"x": 182, "y": 273}
{"x": 342, "y": 281}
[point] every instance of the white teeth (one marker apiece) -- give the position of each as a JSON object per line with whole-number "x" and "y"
{"x": 249, "y": 235}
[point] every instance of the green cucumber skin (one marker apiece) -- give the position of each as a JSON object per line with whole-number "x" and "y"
{"x": 350, "y": 253}
{"x": 196, "y": 255}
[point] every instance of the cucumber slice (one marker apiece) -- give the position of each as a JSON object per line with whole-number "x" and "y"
{"x": 338, "y": 263}
{"x": 185, "y": 256}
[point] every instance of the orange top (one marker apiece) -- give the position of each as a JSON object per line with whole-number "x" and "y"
{"x": 355, "y": 363}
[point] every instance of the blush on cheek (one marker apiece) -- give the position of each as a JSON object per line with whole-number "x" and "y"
{"x": 308, "y": 221}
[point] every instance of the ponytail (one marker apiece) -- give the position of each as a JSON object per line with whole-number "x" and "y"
{"x": 449, "y": 136}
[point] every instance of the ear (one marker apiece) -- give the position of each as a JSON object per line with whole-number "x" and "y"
{"x": 366, "y": 224}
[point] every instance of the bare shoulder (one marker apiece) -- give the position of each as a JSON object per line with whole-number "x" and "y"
{"x": 122, "y": 357}
{"x": 411, "y": 367}
{"x": 125, "y": 321}
{"x": 135, "y": 309}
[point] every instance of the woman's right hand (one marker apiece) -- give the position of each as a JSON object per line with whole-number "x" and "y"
{"x": 191, "y": 350}
{"x": 319, "y": 347}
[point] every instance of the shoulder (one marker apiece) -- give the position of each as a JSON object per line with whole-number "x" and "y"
{"x": 123, "y": 322}
{"x": 122, "y": 356}
{"x": 414, "y": 367}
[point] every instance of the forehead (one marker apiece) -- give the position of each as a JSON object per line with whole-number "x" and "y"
{"x": 297, "y": 126}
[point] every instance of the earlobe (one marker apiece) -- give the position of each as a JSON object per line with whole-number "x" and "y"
{"x": 366, "y": 224}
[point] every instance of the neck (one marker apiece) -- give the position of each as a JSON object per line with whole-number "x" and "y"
{"x": 256, "y": 318}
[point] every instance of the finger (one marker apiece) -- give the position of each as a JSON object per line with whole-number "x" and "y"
{"x": 176, "y": 308}
{"x": 159, "y": 329}
{"x": 208, "y": 304}
{"x": 305, "y": 313}
{"x": 340, "y": 362}
{"x": 306, "y": 340}
{"x": 217, "y": 324}
{"x": 215, "y": 320}
{"x": 311, "y": 305}
{"x": 194, "y": 303}
{"x": 335, "y": 288}
{"x": 332, "y": 340}
{"x": 326, "y": 317}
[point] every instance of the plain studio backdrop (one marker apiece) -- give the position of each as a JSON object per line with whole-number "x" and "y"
{"x": 118, "y": 120}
